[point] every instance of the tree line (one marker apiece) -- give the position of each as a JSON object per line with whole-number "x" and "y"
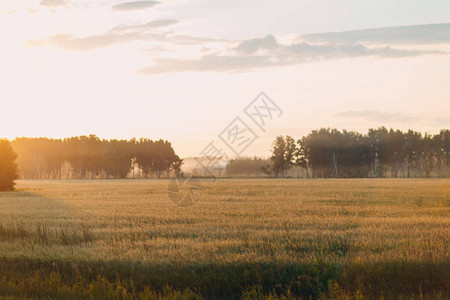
{"x": 381, "y": 152}
{"x": 324, "y": 153}
{"x": 87, "y": 157}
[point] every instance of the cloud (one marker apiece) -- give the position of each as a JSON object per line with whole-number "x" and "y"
{"x": 304, "y": 50}
{"x": 376, "y": 116}
{"x": 69, "y": 42}
{"x": 53, "y": 3}
{"x": 207, "y": 63}
{"x": 135, "y": 5}
{"x": 156, "y": 49}
{"x": 147, "y": 26}
{"x": 191, "y": 40}
{"x": 253, "y": 45}
{"x": 117, "y": 35}
{"x": 121, "y": 34}
{"x": 267, "y": 52}
{"x": 416, "y": 34}
{"x": 264, "y": 52}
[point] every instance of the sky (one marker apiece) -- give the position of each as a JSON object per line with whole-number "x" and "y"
{"x": 184, "y": 70}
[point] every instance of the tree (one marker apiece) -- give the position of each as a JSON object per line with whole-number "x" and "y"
{"x": 117, "y": 158}
{"x": 302, "y": 155}
{"x": 283, "y": 155}
{"x": 89, "y": 157}
{"x": 8, "y": 166}
{"x": 442, "y": 144}
{"x": 379, "y": 153}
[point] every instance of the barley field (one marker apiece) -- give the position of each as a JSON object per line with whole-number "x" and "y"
{"x": 243, "y": 239}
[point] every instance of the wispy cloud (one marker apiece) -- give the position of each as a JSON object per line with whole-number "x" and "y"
{"x": 305, "y": 51}
{"x": 191, "y": 40}
{"x": 53, "y": 3}
{"x": 70, "y": 42}
{"x": 135, "y": 5}
{"x": 122, "y": 34}
{"x": 116, "y": 35}
{"x": 383, "y": 117}
{"x": 267, "y": 52}
{"x": 252, "y": 46}
{"x": 207, "y": 63}
{"x": 376, "y": 116}
{"x": 416, "y": 34}
{"x": 146, "y": 26}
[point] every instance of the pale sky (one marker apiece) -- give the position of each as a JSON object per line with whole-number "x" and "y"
{"x": 182, "y": 70}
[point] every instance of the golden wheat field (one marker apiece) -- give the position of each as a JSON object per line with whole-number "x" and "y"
{"x": 246, "y": 238}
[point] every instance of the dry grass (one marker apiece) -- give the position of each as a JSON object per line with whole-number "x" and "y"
{"x": 244, "y": 238}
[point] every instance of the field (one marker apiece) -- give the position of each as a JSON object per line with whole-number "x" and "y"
{"x": 253, "y": 239}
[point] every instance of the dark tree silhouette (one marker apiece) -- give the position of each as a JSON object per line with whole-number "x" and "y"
{"x": 283, "y": 155}
{"x": 87, "y": 157}
{"x": 379, "y": 153}
{"x": 8, "y": 166}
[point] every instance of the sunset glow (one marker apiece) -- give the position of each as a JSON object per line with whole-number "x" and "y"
{"x": 165, "y": 70}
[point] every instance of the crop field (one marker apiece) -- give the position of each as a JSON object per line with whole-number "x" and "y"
{"x": 246, "y": 238}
